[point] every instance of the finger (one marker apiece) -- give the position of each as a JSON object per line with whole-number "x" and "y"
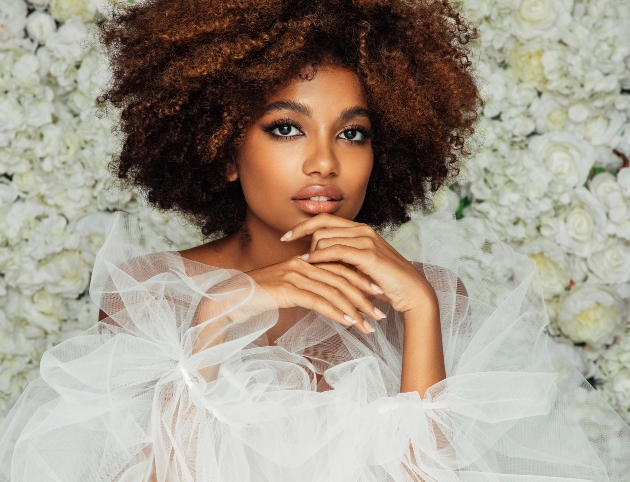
{"x": 329, "y": 301}
{"x": 362, "y": 259}
{"x": 347, "y": 288}
{"x": 317, "y": 222}
{"x": 359, "y": 242}
{"x": 361, "y": 231}
{"x": 357, "y": 279}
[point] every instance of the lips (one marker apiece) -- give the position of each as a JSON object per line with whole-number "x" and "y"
{"x": 318, "y": 199}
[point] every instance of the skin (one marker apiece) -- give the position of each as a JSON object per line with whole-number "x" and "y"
{"x": 325, "y": 262}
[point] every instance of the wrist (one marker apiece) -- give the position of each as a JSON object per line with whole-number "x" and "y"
{"x": 425, "y": 308}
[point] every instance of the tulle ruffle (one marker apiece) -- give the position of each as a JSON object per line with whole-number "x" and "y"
{"x": 179, "y": 383}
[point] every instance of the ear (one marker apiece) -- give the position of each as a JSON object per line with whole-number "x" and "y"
{"x": 231, "y": 173}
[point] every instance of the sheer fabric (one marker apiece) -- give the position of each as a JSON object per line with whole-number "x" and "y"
{"x": 179, "y": 383}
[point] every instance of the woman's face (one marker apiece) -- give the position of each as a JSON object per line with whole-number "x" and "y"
{"x": 310, "y": 152}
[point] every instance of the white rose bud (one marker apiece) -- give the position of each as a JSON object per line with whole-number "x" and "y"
{"x": 39, "y": 26}
{"x": 582, "y": 228}
{"x": 591, "y": 314}
{"x": 535, "y": 18}
{"x": 552, "y": 265}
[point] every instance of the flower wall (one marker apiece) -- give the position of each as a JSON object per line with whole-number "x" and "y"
{"x": 550, "y": 175}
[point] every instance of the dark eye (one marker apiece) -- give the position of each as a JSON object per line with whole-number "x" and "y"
{"x": 286, "y": 131}
{"x": 352, "y": 135}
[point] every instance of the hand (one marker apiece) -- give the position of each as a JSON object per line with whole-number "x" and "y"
{"x": 335, "y": 292}
{"x": 340, "y": 241}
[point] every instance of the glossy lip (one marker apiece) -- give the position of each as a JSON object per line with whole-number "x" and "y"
{"x": 302, "y": 201}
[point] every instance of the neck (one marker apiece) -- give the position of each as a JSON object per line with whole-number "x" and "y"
{"x": 258, "y": 245}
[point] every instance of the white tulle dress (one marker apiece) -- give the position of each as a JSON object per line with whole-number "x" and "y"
{"x": 181, "y": 384}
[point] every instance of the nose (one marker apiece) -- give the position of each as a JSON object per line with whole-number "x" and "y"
{"x": 321, "y": 159}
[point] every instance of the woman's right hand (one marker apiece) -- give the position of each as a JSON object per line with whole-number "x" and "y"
{"x": 331, "y": 289}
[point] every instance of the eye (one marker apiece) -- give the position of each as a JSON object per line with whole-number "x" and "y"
{"x": 286, "y": 130}
{"x": 352, "y": 135}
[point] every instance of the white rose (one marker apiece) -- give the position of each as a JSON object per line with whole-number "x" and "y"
{"x": 612, "y": 263}
{"x": 11, "y": 115}
{"x": 533, "y": 18}
{"x": 38, "y": 112}
{"x": 582, "y": 228}
{"x": 66, "y": 274}
{"x": 605, "y": 188}
{"x": 65, "y": 43}
{"x": 406, "y": 241}
{"x": 567, "y": 157}
{"x": 524, "y": 61}
{"x": 8, "y": 192}
{"x": 89, "y": 230}
{"x": 64, "y": 10}
{"x": 552, "y": 266}
{"x": 42, "y": 310}
{"x": 602, "y": 129}
{"x": 623, "y": 179}
{"x": 39, "y": 26}
{"x": 12, "y": 19}
{"x": 25, "y": 70}
{"x": 591, "y": 314}
{"x": 549, "y": 114}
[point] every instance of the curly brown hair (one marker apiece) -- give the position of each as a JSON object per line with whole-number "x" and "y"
{"x": 189, "y": 76}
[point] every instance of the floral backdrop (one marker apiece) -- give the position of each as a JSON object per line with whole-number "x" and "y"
{"x": 551, "y": 173}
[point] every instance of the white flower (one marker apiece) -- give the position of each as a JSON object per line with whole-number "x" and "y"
{"x": 576, "y": 355}
{"x": 64, "y": 10}
{"x": 66, "y": 273}
{"x": 614, "y": 365}
{"x": 552, "y": 266}
{"x": 601, "y": 130}
{"x": 549, "y": 113}
{"x": 11, "y": 116}
{"x": 605, "y": 188}
{"x": 567, "y": 157}
{"x": 524, "y": 60}
{"x": 612, "y": 263}
{"x": 39, "y": 26}
{"x": 89, "y": 230}
{"x": 590, "y": 314}
{"x": 42, "y": 310}
{"x": 25, "y": 70}
{"x": 8, "y": 192}
{"x": 12, "y": 19}
{"x": 533, "y": 18}
{"x": 65, "y": 43}
{"x": 582, "y": 228}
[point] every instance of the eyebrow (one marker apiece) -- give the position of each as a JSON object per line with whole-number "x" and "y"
{"x": 356, "y": 111}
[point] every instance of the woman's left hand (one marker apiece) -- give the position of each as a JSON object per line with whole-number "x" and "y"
{"x": 339, "y": 240}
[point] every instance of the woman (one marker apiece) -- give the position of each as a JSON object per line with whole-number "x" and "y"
{"x": 298, "y": 345}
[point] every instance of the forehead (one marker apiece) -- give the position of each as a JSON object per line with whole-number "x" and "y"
{"x": 330, "y": 87}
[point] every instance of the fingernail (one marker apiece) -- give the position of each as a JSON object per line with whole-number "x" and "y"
{"x": 368, "y": 327}
{"x": 349, "y": 319}
{"x": 377, "y": 289}
{"x": 286, "y": 236}
{"x": 379, "y": 313}
{"x": 304, "y": 257}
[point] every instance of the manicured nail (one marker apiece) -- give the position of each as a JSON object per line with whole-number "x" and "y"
{"x": 377, "y": 289}
{"x": 379, "y": 313}
{"x": 368, "y": 327}
{"x": 286, "y": 236}
{"x": 349, "y": 319}
{"x": 304, "y": 257}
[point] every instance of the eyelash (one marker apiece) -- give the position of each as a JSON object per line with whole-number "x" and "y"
{"x": 367, "y": 133}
